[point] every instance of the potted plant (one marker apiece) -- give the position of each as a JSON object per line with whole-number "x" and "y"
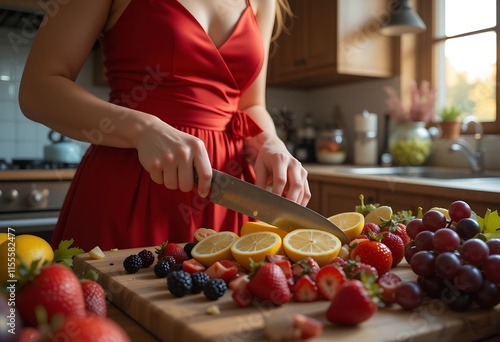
{"x": 450, "y": 118}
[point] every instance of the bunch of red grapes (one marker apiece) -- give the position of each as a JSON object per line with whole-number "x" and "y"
{"x": 452, "y": 262}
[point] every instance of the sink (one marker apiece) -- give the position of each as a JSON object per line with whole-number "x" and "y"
{"x": 428, "y": 172}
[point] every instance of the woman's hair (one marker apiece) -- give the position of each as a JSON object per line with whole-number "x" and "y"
{"x": 283, "y": 12}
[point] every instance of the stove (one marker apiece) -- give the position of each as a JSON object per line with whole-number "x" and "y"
{"x": 32, "y": 192}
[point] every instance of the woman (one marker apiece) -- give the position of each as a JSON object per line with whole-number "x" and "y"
{"x": 187, "y": 81}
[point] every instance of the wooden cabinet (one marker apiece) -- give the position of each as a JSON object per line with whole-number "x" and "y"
{"x": 337, "y": 198}
{"x": 22, "y": 5}
{"x": 332, "y": 41}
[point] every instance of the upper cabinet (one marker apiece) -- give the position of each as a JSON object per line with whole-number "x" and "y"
{"x": 333, "y": 41}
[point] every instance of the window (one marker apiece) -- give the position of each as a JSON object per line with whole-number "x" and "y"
{"x": 459, "y": 52}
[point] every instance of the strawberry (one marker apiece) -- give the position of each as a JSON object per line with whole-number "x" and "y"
{"x": 373, "y": 253}
{"x": 328, "y": 280}
{"x": 285, "y": 264}
{"x": 172, "y": 249}
{"x": 352, "y": 304}
{"x": 57, "y": 289}
{"x": 95, "y": 298}
{"x": 268, "y": 282}
{"x": 338, "y": 262}
{"x": 396, "y": 245}
{"x": 388, "y": 284}
{"x": 193, "y": 266}
{"x": 397, "y": 225}
{"x": 305, "y": 290}
{"x": 224, "y": 270}
{"x": 291, "y": 327}
{"x": 89, "y": 329}
{"x": 306, "y": 266}
{"x": 241, "y": 294}
{"x": 370, "y": 227}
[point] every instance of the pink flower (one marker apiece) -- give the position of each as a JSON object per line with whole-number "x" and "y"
{"x": 422, "y": 103}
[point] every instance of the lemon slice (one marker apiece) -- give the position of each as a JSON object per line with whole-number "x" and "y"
{"x": 374, "y": 216}
{"x": 96, "y": 253}
{"x": 214, "y": 247}
{"x": 255, "y": 246}
{"x": 202, "y": 233}
{"x": 253, "y": 227}
{"x": 351, "y": 223}
{"x": 320, "y": 245}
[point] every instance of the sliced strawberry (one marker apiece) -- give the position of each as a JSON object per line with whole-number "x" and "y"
{"x": 241, "y": 293}
{"x": 338, "y": 262}
{"x": 238, "y": 282}
{"x": 218, "y": 270}
{"x": 388, "y": 284}
{"x": 309, "y": 327}
{"x": 306, "y": 266}
{"x": 328, "y": 280}
{"x": 283, "y": 262}
{"x": 192, "y": 266}
{"x": 305, "y": 290}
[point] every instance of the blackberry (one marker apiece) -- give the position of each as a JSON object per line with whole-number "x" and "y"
{"x": 214, "y": 288}
{"x": 147, "y": 258}
{"x": 170, "y": 259}
{"x": 132, "y": 263}
{"x": 161, "y": 269}
{"x": 188, "y": 247}
{"x": 179, "y": 283}
{"x": 177, "y": 267}
{"x": 199, "y": 280}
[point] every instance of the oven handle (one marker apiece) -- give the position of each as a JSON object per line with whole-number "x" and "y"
{"x": 41, "y": 221}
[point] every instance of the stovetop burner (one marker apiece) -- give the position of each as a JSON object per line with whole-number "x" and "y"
{"x": 34, "y": 164}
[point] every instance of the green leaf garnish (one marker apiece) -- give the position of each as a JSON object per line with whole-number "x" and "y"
{"x": 490, "y": 224}
{"x": 64, "y": 253}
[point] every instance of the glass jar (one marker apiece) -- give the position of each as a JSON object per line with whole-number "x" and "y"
{"x": 331, "y": 147}
{"x": 410, "y": 144}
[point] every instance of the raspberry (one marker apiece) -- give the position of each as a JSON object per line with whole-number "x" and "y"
{"x": 147, "y": 258}
{"x": 188, "y": 247}
{"x": 161, "y": 269}
{"x": 214, "y": 289}
{"x": 132, "y": 263}
{"x": 179, "y": 283}
{"x": 199, "y": 280}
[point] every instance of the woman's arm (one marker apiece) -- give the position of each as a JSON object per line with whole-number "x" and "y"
{"x": 272, "y": 161}
{"x": 49, "y": 95}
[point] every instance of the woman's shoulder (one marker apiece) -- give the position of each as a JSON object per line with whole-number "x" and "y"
{"x": 260, "y": 6}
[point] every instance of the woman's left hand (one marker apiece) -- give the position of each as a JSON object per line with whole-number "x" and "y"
{"x": 274, "y": 164}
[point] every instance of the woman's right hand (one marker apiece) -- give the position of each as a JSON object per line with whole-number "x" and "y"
{"x": 170, "y": 155}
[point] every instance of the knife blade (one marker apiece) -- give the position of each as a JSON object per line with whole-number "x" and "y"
{"x": 263, "y": 205}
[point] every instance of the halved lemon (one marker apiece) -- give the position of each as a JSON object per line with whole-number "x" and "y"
{"x": 202, "y": 233}
{"x": 351, "y": 223}
{"x": 376, "y": 216}
{"x": 253, "y": 227}
{"x": 214, "y": 247}
{"x": 255, "y": 246}
{"x": 322, "y": 246}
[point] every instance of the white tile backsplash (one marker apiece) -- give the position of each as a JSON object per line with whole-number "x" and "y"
{"x": 19, "y": 136}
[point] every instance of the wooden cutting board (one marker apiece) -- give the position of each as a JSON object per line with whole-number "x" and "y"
{"x": 147, "y": 300}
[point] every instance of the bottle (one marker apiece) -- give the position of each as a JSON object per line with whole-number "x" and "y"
{"x": 305, "y": 151}
{"x": 365, "y": 144}
{"x": 386, "y": 156}
{"x": 331, "y": 144}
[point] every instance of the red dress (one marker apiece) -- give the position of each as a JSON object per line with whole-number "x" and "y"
{"x": 159, "y": 60}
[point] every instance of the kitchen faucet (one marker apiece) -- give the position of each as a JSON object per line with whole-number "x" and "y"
{"x": 475, "y": 157}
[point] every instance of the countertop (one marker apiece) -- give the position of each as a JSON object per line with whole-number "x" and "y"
{"x": 486, "y": 190}
{"x": 37, "y": 175}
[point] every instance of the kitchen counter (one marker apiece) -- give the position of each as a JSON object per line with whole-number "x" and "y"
{"x": 37, "y": 175}
{"x": 331, "y": 181}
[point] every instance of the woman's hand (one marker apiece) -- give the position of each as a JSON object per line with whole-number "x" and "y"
{"x": 169, "y": 156}
{"x": 274, "y": 164}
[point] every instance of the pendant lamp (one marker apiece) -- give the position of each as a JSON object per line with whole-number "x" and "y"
{"x": 402, "y": 19}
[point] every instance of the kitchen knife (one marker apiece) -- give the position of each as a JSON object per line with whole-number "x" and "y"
{"x": 263, "y": 205}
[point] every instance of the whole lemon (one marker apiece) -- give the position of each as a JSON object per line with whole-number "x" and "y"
{"x": 28, "y": 247}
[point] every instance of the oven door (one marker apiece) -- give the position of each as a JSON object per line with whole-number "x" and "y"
{"x": 39, "y": 223}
